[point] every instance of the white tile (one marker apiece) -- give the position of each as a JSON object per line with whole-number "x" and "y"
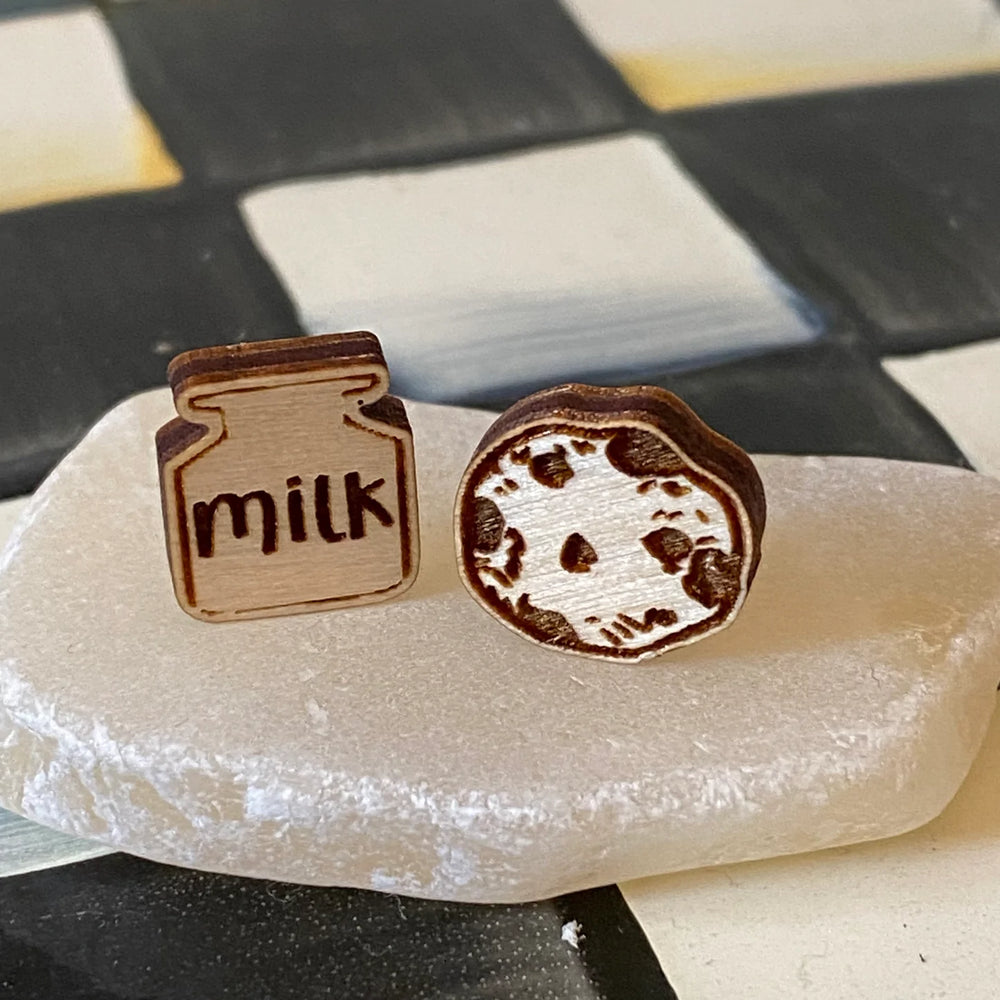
{"x": 676, "y": 52}
{"x": 961, "y": 387}
{"x": 10, "y": 511}
{"x": 28, "y": 847}
{"x": 914, "y": 916}
{"x": 68, "y": 123}
{"x": 588, "y": 260}
{"x": 818, "y": 31}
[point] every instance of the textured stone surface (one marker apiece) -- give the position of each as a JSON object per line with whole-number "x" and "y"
{"x": 10, "y": 511}
{"x": 422, "y": 748}
{"x": 27, "y": 846}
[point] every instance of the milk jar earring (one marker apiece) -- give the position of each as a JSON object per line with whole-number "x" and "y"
{"x": 288, "y": 479}
{"x": 610, "y": 523}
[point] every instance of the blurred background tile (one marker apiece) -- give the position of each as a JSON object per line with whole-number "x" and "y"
{"x": 887, "y": 196}
{"x": 598, "y": 259}
{"x": 676, "y": 53}
{"x": 125, "y": 928}
{"x": 98, "y": 296}
{"x": 69, "y": 126}
{"x": 250, "y": 90}
{"x": 28, "y": 847}
{"x": 961, "y": 387}
{"x": 825, "y": 400}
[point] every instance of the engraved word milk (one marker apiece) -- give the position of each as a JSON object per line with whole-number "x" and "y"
{"x": 288, "y": 479}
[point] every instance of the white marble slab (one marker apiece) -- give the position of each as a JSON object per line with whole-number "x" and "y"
{"x": 588, "y": 260}
{"x": 27, "y": 846}
{"x": 418, "y": 746}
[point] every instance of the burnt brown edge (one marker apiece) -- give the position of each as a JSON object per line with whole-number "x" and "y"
{"x": 389, "y": 414}
{"x": 667, "y": 413}
{"x": 565, "y": 405}
{"x": 227, "y": 362}
{"x": 300, "y": 354}
{"x": 232, "y": 362}
{"x": 179, "y": 434}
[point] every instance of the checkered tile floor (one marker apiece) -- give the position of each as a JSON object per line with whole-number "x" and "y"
{"x": 787, "y": 213}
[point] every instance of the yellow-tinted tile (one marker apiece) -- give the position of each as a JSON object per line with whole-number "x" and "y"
{"x": 55, "y": 171}
{"x": 676, "y": 53}
{"x": 672, "y": 82}
{"x": 157, "y": 168}
{"x": 69, "y": 127}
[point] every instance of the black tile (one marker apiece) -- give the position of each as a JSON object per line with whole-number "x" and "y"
{"x": 96, "y": 297}
{"x": 827, "y": 399}
{"x": 823, "y": 401}
{"x": 119, "y": 927}
{"x": 888, "y": 196}
{"x": 252, "y": 90}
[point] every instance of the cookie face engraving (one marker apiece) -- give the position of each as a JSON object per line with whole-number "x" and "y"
{"x": 608, "y": 522}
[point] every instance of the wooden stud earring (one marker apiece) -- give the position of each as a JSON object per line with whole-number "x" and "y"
{"x": 288, "y": 479}
{"x": 610, "y": 523}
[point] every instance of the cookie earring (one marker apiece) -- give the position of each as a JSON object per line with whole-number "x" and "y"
{"x": 610, "y": 523}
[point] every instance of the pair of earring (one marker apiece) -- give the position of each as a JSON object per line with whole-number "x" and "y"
{"x": 606, "y": 522}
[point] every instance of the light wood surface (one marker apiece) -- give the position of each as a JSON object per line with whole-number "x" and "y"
{"x": 288, "y": 480}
